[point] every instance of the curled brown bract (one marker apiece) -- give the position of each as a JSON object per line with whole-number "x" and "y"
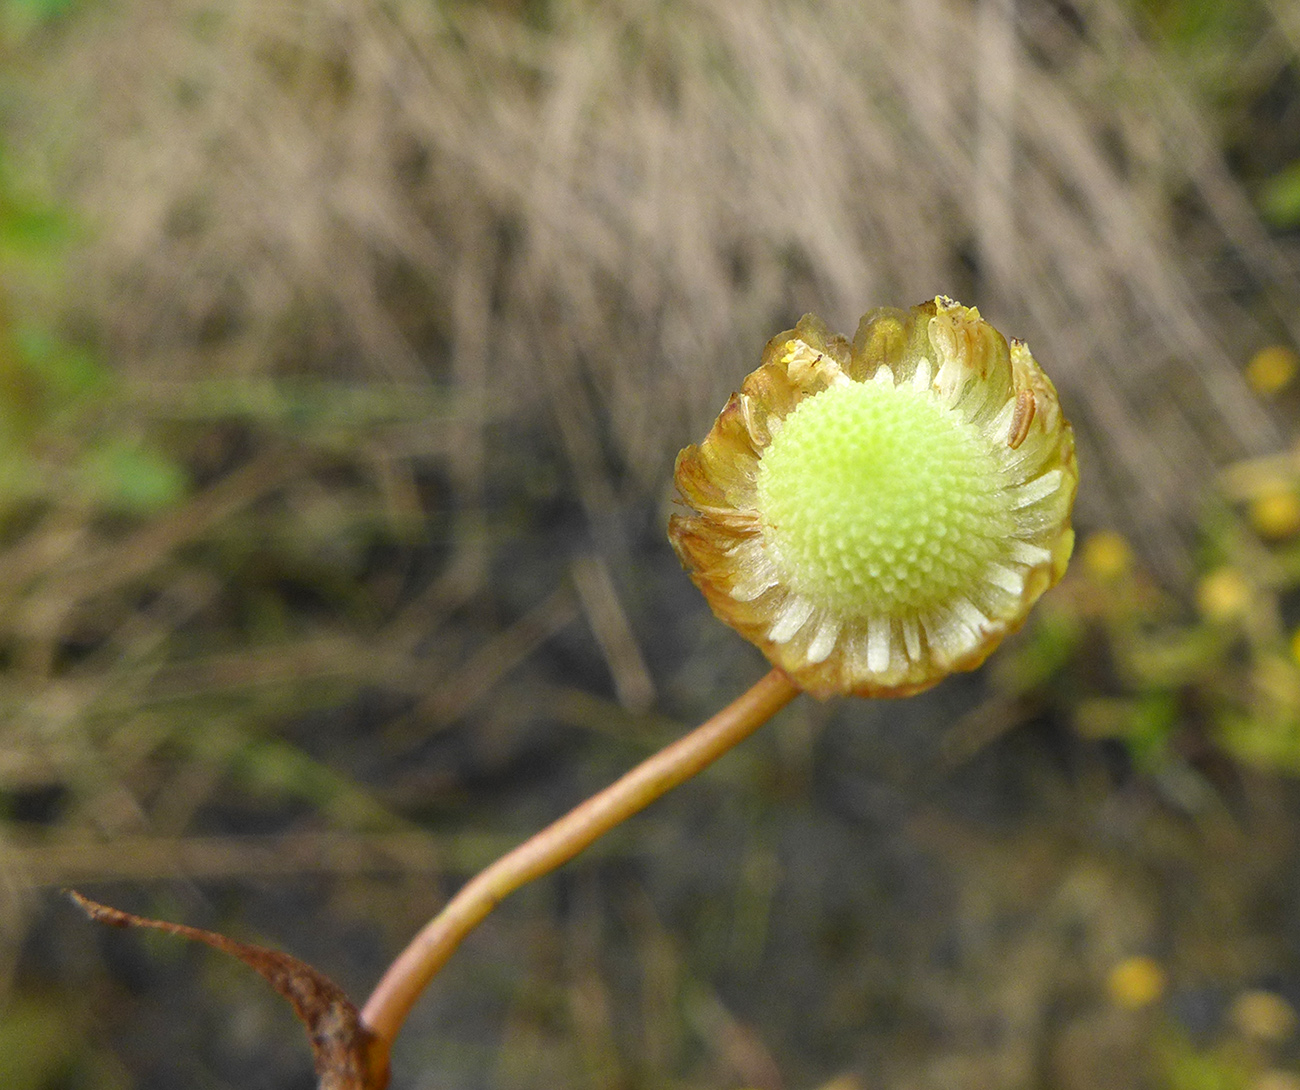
{"x": 1022, "y": 418}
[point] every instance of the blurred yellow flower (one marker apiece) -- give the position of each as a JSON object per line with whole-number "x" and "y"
{"x": 1136, "y": 982}
{"x": 877, "y": 515}
{"x": 1264, "y": 1015}
{"x": 1275, "y": 514}
{"x": 1271, "y": 369}
{"x": 1106, "y": 555}
{"x": 1223, "y": 595}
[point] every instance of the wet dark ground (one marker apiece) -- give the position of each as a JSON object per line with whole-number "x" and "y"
{"x": 834, "y": 904}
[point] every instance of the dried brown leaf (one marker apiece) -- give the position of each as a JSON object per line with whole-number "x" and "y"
{"x": 346, "y": 1052}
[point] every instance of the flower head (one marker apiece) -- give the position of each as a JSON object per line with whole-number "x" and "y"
{"x": 876, "y": 515}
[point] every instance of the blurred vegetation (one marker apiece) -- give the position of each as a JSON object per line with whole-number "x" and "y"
{"x": 1187, "y": 677}
{"x": 343, "y": 355}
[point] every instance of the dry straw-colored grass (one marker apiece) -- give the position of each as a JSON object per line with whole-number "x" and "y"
{"x": 583, "y": 216}
{"x": 604, "y": 209}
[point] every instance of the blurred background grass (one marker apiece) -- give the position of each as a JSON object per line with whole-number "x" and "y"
{"x": 345, "y": 348}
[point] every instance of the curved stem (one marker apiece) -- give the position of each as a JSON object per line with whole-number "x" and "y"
{"x": 407, "y": 977}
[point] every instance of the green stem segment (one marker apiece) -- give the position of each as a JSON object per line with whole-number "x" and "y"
{"x": 407, "y": 977}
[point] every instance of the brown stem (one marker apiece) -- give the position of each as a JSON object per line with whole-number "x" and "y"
{"x": 407, "y": 977}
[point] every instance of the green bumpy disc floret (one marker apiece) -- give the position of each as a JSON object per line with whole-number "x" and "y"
{"x": 878, "y": 499}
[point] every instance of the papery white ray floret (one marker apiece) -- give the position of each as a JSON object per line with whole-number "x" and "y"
{"x": 1013, "y": 582}
{"x": 912, "y": 638}
{"x": 823, "y": 642}
{"x": 970, "y": 614}
{"x": 754, "y": 560}
{"x": 998, "y": 428}
{"x": 950, "y": 380}
{"x": 791, "y": 617}
{"x": 1026, "y": 553}
{"x": 754, "y": 584}
{"x": 921, "y": 379}
{"x": 1035, "y": 490}
{"x": 878, "y": 654}
{"x": 943, "y": 634}
{"x": 1026, "y": 458}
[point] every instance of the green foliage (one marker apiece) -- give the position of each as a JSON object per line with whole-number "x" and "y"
{"x": 37, "y": 1051}
{"x": 40, "y": 9}
{"x": 19, "y": 18}
{"x": 1181, "y": 675}
{"x": 185, "y": 566}
{"x": 121, "y": 475}
{"x": 1205, "y": 1072}
{"x": 30, "y": 230}
{"x": 1279, "y": 199}
{"x": 1188, "y": 1068}
{"x": 1198, "y": 25}
{"x": 69, "y": 373}
{"x": 1209, "y": 42}
{"x": 65, "y": 437}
